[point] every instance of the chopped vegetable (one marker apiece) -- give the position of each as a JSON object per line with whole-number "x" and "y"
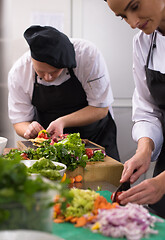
{"x": 132, "y": 221}
{"x": 70, "y": 150}
{"x": 63, "y": 178}
{"x": 46, "y": 168}
{"x": 78, "y": 178}
{"x": 89, "y": 209}
{"x": 43, "y": 134}
{"x": 21, "y": 195}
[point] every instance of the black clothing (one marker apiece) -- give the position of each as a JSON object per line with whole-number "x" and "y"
{"x": 52, "y": 102}
{"x": 50, "y": 46}
{"x": 156, "y": 85}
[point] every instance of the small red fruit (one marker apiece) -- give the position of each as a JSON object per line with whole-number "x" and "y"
{"x": 89, "y": 152}
{"x": 116, "y": 197}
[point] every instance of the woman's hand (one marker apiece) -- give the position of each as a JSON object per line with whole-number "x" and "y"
{"x": 148, "y": 191}
{"x": 139, "y": 162}
{"x": 55, "y": 128}
{"x": 32, "y": 130}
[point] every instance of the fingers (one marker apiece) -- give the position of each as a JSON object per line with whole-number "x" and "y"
{"x": 55, "y": 129}
{"x": 130, "y": 173}
{"x": 133, "y": 195}
{"x": 144, "y": 193}
{"x": 33, "y": 129}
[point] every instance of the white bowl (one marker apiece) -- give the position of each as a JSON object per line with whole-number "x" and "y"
{"x": 3, "y": 142}
{"x": 29, "y": 163}
{"x": 26, "y": 235}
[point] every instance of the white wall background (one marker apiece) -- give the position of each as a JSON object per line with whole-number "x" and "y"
{"x": 93, "y": 20}
{"x": 90, "y": 19}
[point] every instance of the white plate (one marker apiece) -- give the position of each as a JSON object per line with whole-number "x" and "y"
{"x": 27, "y": 235}
{"x": 29, "y": 163}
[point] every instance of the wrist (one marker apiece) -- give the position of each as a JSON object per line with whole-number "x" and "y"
{"x": 160, "y": 179}
{"x": 145, "y": 145}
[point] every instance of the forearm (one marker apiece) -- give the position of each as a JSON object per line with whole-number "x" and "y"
{"x": 145, "y": 146}
{"x": 84, "y": 116}
{"x": 21, "y": 128}
{"x": 160, "y": 179}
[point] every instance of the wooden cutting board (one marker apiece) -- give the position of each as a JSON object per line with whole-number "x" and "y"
{"x": 109, "y": 171}
{"x": 23, "y": 145}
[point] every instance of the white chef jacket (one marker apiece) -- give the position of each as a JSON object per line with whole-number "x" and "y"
{"x": 91, "y": 71}
{"x": 146, "y": 114}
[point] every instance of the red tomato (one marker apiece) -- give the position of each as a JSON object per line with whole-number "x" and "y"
{"x": 24, "y": 156}
{"x": 89, "y": 152}
{"x": 112, "y": 196}
{"x": 43, "y": 135}
{"x": 116, "y": 197}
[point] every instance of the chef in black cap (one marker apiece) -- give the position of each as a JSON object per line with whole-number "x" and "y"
{"x": 62, "y": 85}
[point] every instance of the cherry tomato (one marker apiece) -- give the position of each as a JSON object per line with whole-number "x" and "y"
{"x": 112, "y": 196}
{"x": 43, "y": 134}
{"x": 89, "y": 152}
{"x": 116, "y": 197}
{"x": 24, "y": 156}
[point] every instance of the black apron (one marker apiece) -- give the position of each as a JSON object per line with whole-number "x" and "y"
{"x": 156, "y": 85}
{"x": 52, "y": 102}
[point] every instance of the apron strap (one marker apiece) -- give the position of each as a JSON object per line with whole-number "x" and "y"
{"x": 35, "y": 77}
{"x": 152, "y": 46}
{"x": 71, "y": 72}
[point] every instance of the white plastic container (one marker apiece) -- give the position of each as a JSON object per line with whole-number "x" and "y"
{"x": 3, "y": 142}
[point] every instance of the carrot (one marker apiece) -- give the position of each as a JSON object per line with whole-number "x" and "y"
{"x": 74, "y": 220}
{"x": 78, "y": 178}
{"x": 59, "y": 220}
{"x": 95, "y": 211}
{"x": 91, "y": 218}
{"x": 81, "y": 221}
{"x": 114, "y": 205}
{"x": 72, "y": 179}
{"x": 67, "y": 219}
{"x": 78, "y": 185}
{"x": 57, "y": 208}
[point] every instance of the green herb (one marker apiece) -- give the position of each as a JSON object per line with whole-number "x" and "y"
{"x": 70, "y": 151}
{"x": 24, "y": 200}
{"x": 46, "y": 168}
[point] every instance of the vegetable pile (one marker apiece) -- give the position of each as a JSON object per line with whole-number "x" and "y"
{"x": 24, "y": 201}
{"x": 89, "y": 209}
{"x": 69, "y": 150}
{"x": 46, "y": 168}
{"x": 82, "y": 209}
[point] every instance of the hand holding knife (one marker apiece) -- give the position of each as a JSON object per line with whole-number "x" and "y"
{"x": 123, "y": 187}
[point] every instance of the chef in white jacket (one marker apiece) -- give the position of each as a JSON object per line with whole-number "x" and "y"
{"x": 62, "y": 85}
{"x": 148, "y": 100}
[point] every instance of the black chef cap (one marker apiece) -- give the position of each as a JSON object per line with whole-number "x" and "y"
{"x": 51, "y": 46}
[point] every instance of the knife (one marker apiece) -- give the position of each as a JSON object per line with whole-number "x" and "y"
{"x": 123, "y": 187}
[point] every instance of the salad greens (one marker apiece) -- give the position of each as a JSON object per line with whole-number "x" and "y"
{"x": 82, "y": 202}
{"x": 46, "y": 168}
{"x": 25, "y": 201}
{"x": 69, "y": 151}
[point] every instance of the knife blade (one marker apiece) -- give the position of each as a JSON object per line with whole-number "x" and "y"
{"x": 123, "y": 187}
